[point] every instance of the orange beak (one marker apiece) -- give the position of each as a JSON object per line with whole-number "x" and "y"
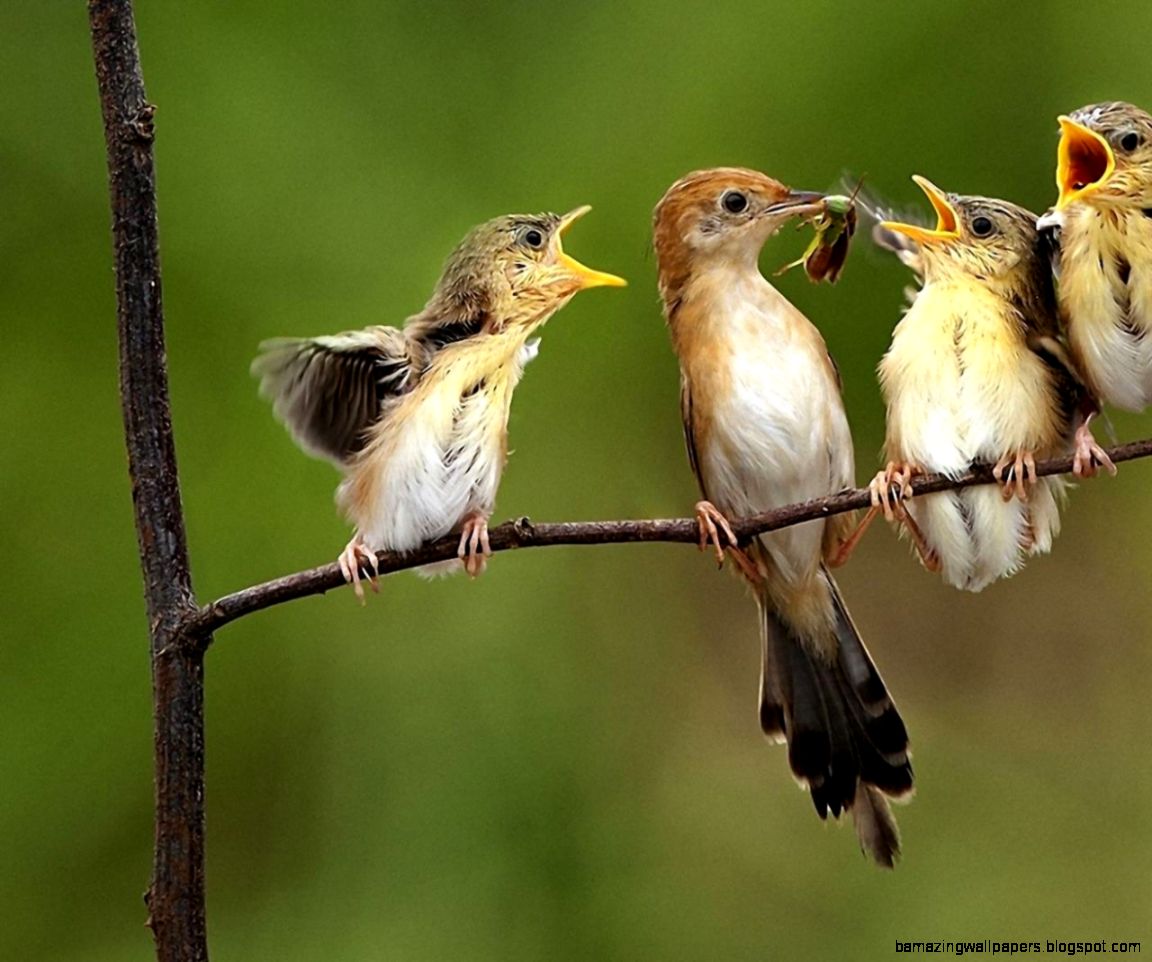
{"x": 947, "y": 223}
{"x": 1084, "y": 162}
{"x": 584, "y": 276}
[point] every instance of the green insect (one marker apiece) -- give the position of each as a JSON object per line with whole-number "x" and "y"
{"x": 824, "y": 257}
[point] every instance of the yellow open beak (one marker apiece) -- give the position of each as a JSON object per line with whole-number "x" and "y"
{"x": 947, "y": 223}
{"x": 1084, "y": 162}
{"x": 585, "y": 276}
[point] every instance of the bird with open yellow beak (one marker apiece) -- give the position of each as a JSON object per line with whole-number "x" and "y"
{"x": 975, "y": 373}
{"x": 417, "y": 417}
{"x": 765, "y": 426}
{"x": 1103, "y": 221}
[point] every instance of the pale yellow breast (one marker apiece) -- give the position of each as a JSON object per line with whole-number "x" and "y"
{"x": 961, "y": 383}
{"x": 1105, "y": 288}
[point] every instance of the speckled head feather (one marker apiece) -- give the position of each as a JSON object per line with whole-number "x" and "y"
{"x": 508, "y": 272}
{"x": 993, "y": 240}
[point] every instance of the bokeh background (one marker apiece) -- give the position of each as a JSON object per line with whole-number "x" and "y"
{"x": 560, "y": 760}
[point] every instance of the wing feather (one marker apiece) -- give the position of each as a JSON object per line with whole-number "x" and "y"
{"x": 329, "y": 391}
{"x": 690, "y": 434}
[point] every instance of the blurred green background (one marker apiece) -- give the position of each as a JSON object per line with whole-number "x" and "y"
{"x": 560, "y": 760}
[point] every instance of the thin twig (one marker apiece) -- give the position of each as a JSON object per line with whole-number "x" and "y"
{"x": 524, "y": 534}
{"x": 175, "y": 896}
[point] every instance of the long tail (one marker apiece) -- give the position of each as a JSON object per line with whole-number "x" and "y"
{"x": 845, "y": 738}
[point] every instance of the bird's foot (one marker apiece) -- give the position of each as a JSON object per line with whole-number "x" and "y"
{"x": 887, "y": 489}
{"x": 711, "y": 522}
{"x": 474, "y": 549}
{"x": 357, "y": 557}
{"x": 1017, "y": 473}
{"x": 890, "y": 487}
{"x": 1088, "y": 457}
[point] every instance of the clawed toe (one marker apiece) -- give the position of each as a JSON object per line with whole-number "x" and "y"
{"x": 474, "y": 549}
{"x": 890, "y": 486}
{"x": 891, "y": 489}
{"x": 710, "y": 522}
{"x": 714, "y": 529}
{"x": 1017, "y": 475}
{"x": 355, "y": 559}
{"x": 1088, "y": 457}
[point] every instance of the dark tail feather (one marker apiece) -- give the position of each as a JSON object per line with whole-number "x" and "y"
{"x": 846, "y": 739}
{"x": 875, "y": 825}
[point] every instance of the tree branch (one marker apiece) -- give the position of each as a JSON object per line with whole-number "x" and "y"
{"x": 524, "y": 534}
{"x": 175, "y": 896}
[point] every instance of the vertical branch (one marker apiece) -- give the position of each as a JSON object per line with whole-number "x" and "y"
{"x": 176, "y": 895}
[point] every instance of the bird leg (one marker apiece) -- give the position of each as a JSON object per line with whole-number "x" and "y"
{"x": 474, "y": 549}
{"x": 845, "y": 548}
{"x": 1020, "y": 477}
{"x": 356, "y": 556}
{"x": 1089, "y": 456}
{"x": 890, "y": 489}
{"x": 928, "y": 556}
{"x": 708, "y": 516}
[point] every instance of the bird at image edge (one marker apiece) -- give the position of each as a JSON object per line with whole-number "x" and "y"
{"x": 417, "y": 417}
{"x": 765, "y": 426}
{"x": 1103, "y": 223}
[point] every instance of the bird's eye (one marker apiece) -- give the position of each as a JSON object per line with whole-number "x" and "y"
{"x": 1130, "y": 141}
{"x": 734, "y": 202}
{"x": 982, "y": 226}
{"x": 533, "y": 238}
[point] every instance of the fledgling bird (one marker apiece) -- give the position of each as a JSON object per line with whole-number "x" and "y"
{"x": 765, "y": 426}
{"x": 417, "y": 417}
{"x": 1103, "y": 220}
{"x": 976, "y": 372}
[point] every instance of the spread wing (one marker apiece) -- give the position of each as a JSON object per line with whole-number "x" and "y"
{"x": 329, "y": 391}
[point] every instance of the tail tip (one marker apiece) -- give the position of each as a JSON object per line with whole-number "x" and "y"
{"x": 875, "y": 826}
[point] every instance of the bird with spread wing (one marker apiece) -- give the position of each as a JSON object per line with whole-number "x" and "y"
{"x": 417, "y": 417}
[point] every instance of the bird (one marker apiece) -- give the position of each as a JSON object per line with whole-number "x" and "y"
{"x": 1101, "y": 226}
{"x": 976, "y": 371}
{"x": 416, "y": 417}
{"x": 765, "y": 426}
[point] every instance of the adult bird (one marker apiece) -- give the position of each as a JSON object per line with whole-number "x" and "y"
{"x": 417, "y": 417}
{"x": 976, "y": 372}
{"x": 765, "y": 426}
{"x": 1103, "y": 224}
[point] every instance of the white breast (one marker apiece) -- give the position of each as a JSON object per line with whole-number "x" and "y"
{"x": 439, "y": 458}
{"x": 778, "y": 431}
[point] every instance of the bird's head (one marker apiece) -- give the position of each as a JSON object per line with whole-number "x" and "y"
{"x": 1105, "y": 157}
{"x": 723, "y": 215}
{"x": 513, "y": 269}
{"x": 992, "y": 240}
